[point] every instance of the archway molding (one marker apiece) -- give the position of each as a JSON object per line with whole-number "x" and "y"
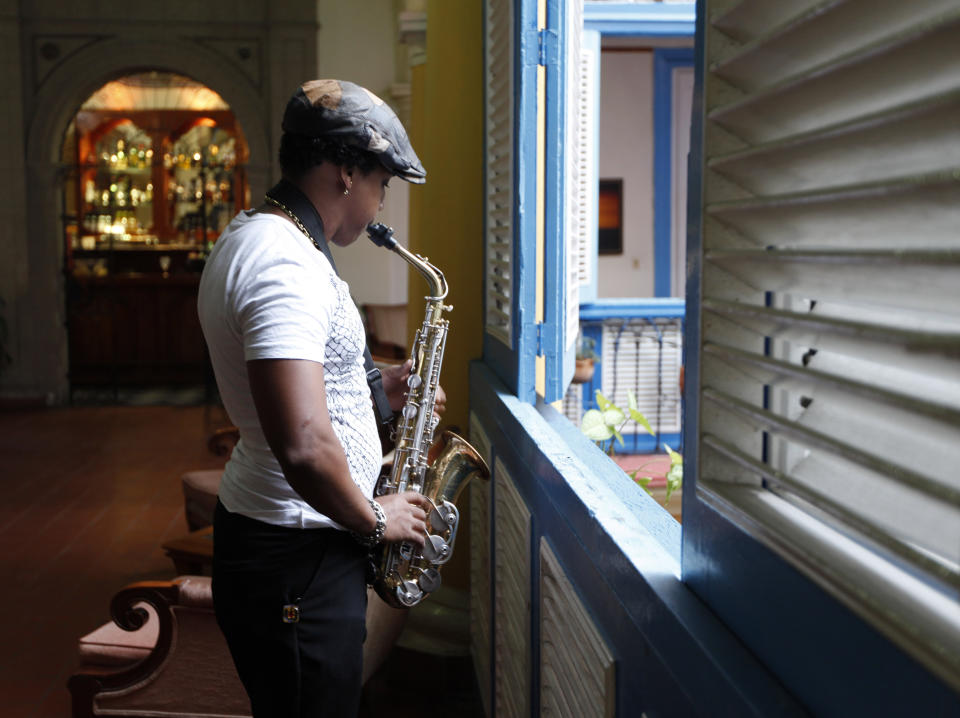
{"x": 63, "y": 91}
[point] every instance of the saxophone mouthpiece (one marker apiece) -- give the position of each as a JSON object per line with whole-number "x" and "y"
{"x": 381, "y": 235}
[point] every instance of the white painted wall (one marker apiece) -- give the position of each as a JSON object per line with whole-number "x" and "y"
{"x": 375, "y": 275}
{"x": 358, "y": 41}
{"x": 626, "y": 152}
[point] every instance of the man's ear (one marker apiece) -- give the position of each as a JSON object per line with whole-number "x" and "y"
{"x": 346, "y": 177}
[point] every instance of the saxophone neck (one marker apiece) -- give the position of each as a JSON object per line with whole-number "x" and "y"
{"x": 434, "y": 277}
{"x": 382, "y": 236}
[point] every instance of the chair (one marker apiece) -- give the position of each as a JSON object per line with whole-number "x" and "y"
{"x": 163, "y": 654}
{"x": 200, "y": 487}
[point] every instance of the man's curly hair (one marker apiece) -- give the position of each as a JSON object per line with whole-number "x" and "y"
{"x": 299, "y": 153}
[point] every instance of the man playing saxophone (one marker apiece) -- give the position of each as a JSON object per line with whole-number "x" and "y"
{"x": 296, "y": 515}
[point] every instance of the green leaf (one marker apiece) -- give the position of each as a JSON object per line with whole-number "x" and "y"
{"x": 641, "y": 419}
{"x": 594, "y": 426}
{"x": 642, "y": 480}
{"x": 635, "y": 413}
{"x": 675, "y": 458}
{"x": 674, "y": 479}
{"x": 603, "y": 402}
{"x": 613, "y": 417}
{"x": 619, "y": 436}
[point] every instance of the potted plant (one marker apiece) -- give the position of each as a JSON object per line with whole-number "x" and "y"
{"x": 585, "y": 359}
{"x": 604, "y": 425}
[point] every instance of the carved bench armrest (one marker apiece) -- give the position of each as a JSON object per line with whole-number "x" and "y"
{"x": 222, "y": 441}
{"x": 193, "y": 591}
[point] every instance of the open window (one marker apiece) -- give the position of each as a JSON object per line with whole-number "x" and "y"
{"x": 639, "y": 91}
{"x": 822, "y": 438}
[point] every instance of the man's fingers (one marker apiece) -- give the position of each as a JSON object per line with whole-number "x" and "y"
{"x": 418, "y": 499}
{"x": 400, "y": 370}
{"x": 408, "y": 523}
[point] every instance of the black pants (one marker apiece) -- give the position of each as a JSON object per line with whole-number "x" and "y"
{"x": 303, "y": 669}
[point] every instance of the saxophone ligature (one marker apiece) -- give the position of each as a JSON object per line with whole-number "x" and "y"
{"x": 403, "y": 574}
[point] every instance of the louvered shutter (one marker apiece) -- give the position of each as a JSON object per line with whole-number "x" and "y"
{"x": 588, "y": 104}
{"x": 511, "y": 337}
{"x": 499, "y": 285}
{"x": 569, "y": 156}
{"x": 830, "y": 300}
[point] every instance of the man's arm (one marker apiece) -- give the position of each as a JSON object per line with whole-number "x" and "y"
{"x": 291, "y": 402}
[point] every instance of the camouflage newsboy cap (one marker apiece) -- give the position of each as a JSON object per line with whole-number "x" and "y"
{"x": 343, "y": 110}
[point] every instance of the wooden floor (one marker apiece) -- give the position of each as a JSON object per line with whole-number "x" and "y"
{"x": 89, "y": 494}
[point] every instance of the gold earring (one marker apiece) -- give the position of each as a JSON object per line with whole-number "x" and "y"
{"x": 346, "y": 192}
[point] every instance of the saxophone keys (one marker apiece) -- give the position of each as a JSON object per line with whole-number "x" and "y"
{"x": 429, "y": 580}
{"x": 408, "y": 593}
{"x": 442, "y": 518}
{"x": 436, "y": 550}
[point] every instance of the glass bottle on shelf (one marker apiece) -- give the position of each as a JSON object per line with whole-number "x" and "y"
{"x": 200, "y": 166}
{"x": 117, "y": 186}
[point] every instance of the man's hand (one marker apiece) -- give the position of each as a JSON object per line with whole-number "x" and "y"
{"x": 440, "y": 402}
{"x": 395, "y": 386}
{"x": 406, "y": 515}
{"x": 395, "y": 383}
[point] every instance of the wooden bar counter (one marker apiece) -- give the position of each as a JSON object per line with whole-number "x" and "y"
{"x": 135, "y": 329}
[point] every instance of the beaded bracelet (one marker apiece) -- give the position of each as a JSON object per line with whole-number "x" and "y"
{"x": 375, "y": 536}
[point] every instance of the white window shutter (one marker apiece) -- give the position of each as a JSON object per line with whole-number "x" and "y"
{"x": 830, "y": 299}
{"x": 588, "y": 166}
{"x": 576, "y": 189}
{"x": 498, "y": 209}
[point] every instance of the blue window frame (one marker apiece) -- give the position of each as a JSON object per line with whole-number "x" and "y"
{"x": 558, "y": 359}
{"x": 665, "y": 61}
{"x": 619, "y": 19}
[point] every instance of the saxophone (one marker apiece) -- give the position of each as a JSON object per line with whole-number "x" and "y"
{"x": 403, "y": 574}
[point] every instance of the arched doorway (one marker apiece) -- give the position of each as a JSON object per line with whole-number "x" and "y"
{"x": 40, "y": 298}
{"x": 154, "y": 168}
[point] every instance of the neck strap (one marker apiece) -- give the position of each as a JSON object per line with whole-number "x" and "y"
{"x": 287, "y": 197}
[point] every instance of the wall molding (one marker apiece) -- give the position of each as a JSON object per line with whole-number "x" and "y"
{"x": 657, "y": 19}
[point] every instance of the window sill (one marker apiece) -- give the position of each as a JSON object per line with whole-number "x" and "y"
{"x": 922, "y": 620}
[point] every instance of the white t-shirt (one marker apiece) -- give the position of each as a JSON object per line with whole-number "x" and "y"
{"x": 268, "y": 293}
